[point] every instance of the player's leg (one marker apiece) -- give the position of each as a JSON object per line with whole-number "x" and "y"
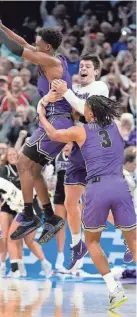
{"x": 99, "y": 197}
{"x": 5, "y": 220}
{"x": 73, "y": 195}
{"x": 15, "y": 250}
{"x": 128, "y": 257}
{"x": 125, "y": 217}
{"x": 130, "y": 237}
{"x": 60, "y": 211}
{"x": 37, "y": 251}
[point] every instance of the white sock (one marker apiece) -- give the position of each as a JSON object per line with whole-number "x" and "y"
{"x": 75, "y": 238}
{"x": 60, "y": 257}
{"x": 110, "y": 281}
{"x": 45, "y": 261}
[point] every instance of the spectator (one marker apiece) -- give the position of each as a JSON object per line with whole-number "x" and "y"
{"x": 128, "y": 129}
{"x": 73, "y": 61}
{"x": 4, "y": 83}
{"x": 11, "y": 100}
{"x": 56, "y": 16}
{"x": 121, "y": 44}
{"x": 129, "y": 168}
{"x": 28, "y": 88}
{"x": 19, "y": 122}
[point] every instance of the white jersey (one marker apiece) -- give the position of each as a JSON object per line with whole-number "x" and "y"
{"x": 80, "y": 93}
{"x": 95, "y": 88}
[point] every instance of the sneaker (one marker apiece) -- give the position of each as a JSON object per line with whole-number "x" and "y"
{"x": 128, "y": 258}
{"x": 78, "y": 252}
{"x": 27, "y": 226}
{"x": 117, "y": 297}
{"x": 3, "y": 269}
{"x": 47, "y": 268}
{"x": 22, "y": 269}
{"x": 52, "y": 226}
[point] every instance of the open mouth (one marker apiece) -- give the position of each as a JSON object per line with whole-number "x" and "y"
{"x": 83, "y": 75}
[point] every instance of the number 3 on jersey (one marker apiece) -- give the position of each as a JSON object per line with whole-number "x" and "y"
{"x": 105, "y": 142}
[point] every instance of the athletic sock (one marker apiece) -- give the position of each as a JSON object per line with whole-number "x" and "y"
{"x": 75, "y": 238}
{"x": 110, "y": 281}
{"x": 60, "y": 258}
{"x": 28, "y": 208}
{"x": 48, "y": 211}
{"x": 14, "y": 265}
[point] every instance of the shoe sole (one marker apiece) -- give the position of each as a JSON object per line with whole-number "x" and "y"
{"x": 127, "y": 262}
{"x": 48, "y": 236}
{"x": 117, "y": 304}
{"x": 21, "y": 236}
{"x": 75, "y": 265}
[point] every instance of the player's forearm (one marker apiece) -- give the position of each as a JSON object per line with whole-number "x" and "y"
{"x": 13, "y": 35}
{"x": 74, "y": 101}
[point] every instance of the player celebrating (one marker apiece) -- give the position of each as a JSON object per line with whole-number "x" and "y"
{"x": 102, "y": 148}
{"x": 75, "y": 179}
{"x": 39, "y": 148}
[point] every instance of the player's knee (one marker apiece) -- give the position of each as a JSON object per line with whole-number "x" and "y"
{"x": 70, "y": 204}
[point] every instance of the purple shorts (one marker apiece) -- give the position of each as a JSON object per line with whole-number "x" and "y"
{"x": 111, "y": 193}
{"x": 40, "y": 148}
{"x": 76, "y": 170}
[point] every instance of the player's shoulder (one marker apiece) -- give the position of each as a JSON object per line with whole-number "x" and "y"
{"x": 99, "y": 88}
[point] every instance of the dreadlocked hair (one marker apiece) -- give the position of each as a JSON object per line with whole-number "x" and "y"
{"x": 104, "y": 109}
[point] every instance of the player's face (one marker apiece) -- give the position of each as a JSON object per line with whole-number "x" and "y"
{"x": 12, "y": 156}
{"x": 87, "y": 72}
{"x": 88, "y": 114}
{"x": 41, "y": 45}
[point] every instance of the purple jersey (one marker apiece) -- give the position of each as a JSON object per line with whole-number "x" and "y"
{"x": 103, "y": 150}
{"x": 62, "y": 106}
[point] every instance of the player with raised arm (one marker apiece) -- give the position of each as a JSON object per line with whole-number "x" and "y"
{"x": 102, "y": 148}
{"x": 75, "y": 178}
{"x": 39, "y": 149}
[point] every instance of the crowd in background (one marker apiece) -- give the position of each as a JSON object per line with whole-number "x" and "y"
{"x": 108, "y": 31}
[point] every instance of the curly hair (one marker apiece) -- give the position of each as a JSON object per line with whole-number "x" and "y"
{"x": 51, "y": 36}
{"x": 104, "y": 109}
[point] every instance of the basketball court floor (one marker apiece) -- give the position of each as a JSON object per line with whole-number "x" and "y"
{"x": 61, "y": 297}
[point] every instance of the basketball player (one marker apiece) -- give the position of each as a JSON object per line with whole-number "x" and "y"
{"x": 61, "y": 163}
{"x": 39, "y": 149}
{"x": 102, "y": 148}
{"x": 75, "y": 179}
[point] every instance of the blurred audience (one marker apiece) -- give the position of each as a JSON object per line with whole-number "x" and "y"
{"x": 107, "y": 29}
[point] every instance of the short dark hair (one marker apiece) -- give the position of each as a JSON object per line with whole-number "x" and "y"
{"x": 104, "y": 109}
{"x": 93, "y": 58}
{"x": 51, "y": 36}
{"x": 129, "y": 157}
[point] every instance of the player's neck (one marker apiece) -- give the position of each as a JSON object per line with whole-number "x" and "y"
{"x": 87, "y": 84}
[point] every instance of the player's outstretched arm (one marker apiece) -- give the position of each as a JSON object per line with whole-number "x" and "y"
{"x": 16, "y": 37}
{"x": 19, "y": 50}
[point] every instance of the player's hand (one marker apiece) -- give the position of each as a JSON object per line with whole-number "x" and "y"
{"x": 53, "y": 96}
{"x": 23, "y": 134}
{"x": 60, "y": 86}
